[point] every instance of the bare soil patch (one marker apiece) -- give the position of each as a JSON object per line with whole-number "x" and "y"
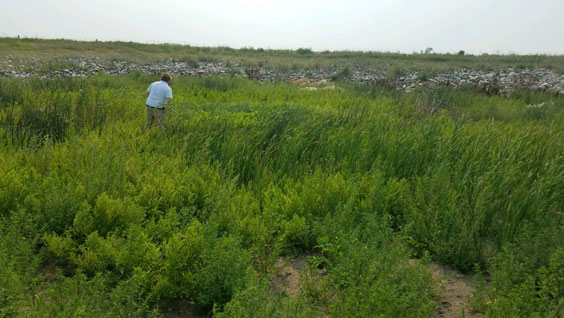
{"x": 184, "y": 309}
{"x": 455, "y": 290}
{"x": 287, "y": 275}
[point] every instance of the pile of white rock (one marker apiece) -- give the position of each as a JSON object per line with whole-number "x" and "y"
{"x": 496, "y": 82}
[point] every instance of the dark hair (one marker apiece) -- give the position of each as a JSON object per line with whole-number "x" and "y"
{"x": 166, "y": 77}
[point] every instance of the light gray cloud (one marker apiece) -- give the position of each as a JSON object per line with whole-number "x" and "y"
{"x": 477, "y": 26}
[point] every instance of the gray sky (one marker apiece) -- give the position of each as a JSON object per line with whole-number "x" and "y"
{"x": 476, "y": 26}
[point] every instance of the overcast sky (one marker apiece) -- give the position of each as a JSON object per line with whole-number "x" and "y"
{"x": 476, "y": 26}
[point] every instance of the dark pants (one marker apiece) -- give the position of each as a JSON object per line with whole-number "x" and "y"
{"x": 155, "y": 116}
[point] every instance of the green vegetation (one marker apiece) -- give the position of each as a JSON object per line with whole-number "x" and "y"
{"x": 340, "y": 75}
{"x": 283, "y": 59}
{"x": 101, "y": 218}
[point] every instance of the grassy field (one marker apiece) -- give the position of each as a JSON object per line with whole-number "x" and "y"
{"x": 101, "y": 218}
{"x": 283, "y": 59}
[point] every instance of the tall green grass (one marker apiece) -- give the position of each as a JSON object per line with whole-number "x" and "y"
{"x": 360, "y": 178}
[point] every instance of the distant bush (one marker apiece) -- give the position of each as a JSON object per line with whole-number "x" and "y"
{"x": 341, "y": 74}
{"x": 191, "y": 61}
{"x": 424, "y": 75}
{"x": 304, "y": 51}
{"x": 396, "y": 72}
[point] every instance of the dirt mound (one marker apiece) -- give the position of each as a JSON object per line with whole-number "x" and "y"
{"x": 455, "y": 290}
{"x": 287, "y": 275}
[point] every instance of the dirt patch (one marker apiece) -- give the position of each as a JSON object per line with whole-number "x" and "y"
{"x": 287, "y": 275}
{"x": 455, "y": 290}
{"x": 183, "y": 308}
{"x": 50, "y": 273}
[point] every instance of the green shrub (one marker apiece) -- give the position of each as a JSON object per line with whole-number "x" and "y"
{"x": 12, "y": 289}
{"x": 304, "y": 51}
{"x": 107, "y": 215}
{"x": 61, "y": 247}
{"x": 98, "y": 254}
{"x": 340, "y": 75}
{"x": 375, "y": 280}
{"x": 225, "y": 270}
{"x": 182, "y": 253}
{"x": 295, "y": 233}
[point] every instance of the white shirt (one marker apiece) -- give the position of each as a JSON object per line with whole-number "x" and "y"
{"x": 159, "y": 92}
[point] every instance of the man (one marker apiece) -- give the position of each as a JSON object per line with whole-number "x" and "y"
{"x": 159, "y": 94}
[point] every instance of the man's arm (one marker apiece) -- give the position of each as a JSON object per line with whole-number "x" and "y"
{"x": 169, "y": 96}
{"x": 149, "y": 89}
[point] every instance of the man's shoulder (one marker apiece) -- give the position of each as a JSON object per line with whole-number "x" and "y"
{"x": 165, "y": 86}
{"x": 161, "y": 84}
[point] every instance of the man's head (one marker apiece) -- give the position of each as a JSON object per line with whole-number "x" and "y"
{"x": 166, "y": 77}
